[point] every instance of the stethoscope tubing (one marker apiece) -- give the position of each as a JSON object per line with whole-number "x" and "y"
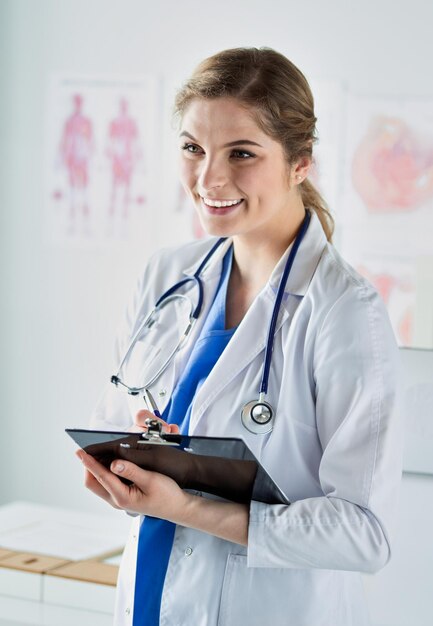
{"x": 166, "y": 296}
{"x": 278, "y": 301}
{"x": 196, "y": 278}
{"x": 249, "y": 421}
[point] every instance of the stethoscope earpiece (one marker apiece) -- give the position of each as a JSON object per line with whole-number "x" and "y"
{"x": 258, "y": 417}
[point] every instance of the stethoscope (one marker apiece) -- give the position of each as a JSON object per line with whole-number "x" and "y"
{"x": 257, "y": 416}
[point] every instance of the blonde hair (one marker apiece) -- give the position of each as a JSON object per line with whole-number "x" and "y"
{"x": 279, "y": 96}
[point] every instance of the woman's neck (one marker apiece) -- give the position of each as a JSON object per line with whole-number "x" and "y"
{"x": 255, "y": 256}
{"x": 254, "y": 260}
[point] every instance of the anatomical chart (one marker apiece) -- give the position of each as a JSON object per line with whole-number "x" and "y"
{"x": 387, "y": 208}
{"x": 98, "y": 157}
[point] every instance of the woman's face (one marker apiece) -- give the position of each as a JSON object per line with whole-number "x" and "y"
{"x": 237, "y": 176}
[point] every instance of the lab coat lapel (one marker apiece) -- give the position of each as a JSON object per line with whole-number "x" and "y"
{"x": 247, "y": 343}
{"x": 210, "y": 279}
{"x": 251, "y": 336}
{"x": 163, "y": 387}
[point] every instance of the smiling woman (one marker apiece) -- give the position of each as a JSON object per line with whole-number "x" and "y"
{"x": 238, "y": 191}
{"x": 282, "y": 317}
{"x": 275, "y": 93}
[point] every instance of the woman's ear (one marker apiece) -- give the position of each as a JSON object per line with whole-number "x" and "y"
{"x": 300, "y": 170}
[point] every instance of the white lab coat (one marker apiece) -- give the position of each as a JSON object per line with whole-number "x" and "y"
{"x": 335, "y": 449}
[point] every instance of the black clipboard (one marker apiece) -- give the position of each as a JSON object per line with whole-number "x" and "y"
{"x": 219, "y": 466}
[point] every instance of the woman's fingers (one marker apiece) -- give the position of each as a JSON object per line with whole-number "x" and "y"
{"x": 101, "y": 481}
{"x": 149, "y": 493}
{"x": 95, "y": 486}
{"x": 132, "y": 472}
{"x": 108, "y": 486}
{"x": 152, "y": 493}
{"x": 137, "y": 429}
{"x": 143, "y": 415}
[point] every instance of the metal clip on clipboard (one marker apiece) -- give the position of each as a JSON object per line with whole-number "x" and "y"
{"x": 155, "y": 434}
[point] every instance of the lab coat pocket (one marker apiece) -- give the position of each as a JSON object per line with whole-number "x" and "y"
{"x": 258, "y": 596}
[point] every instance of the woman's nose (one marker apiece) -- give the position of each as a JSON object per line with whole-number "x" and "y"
{"x": 213, "y": 174}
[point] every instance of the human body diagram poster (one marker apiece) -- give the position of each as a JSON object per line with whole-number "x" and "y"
{"x": 98, "y": 166}
{"x": 111, "y": 143}
{"x": 386, "y": 219}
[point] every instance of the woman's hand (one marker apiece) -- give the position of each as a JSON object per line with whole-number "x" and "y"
{"x": 158, "y": 495}
{"x": 150, "y": 493}
{"x": 140, "y": 423}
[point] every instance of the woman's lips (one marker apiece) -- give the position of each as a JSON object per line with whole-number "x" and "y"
{"x": 211, "y": 206}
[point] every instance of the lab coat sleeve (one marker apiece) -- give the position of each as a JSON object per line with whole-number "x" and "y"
{"x": 356, "y": 374}
{"x": 112, "y": 411}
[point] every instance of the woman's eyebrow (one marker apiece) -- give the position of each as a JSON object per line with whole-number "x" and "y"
{"x": 244, "y": 142}
{"x": 185, "y": 134}
{"x": 231, "y": 144}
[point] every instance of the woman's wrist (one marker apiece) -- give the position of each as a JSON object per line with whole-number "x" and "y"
{"x": 227, "y": 520}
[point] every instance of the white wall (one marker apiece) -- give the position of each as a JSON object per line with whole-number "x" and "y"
{"x": 60, "y": 306}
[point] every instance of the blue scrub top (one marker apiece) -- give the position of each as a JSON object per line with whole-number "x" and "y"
{"x": 156, "y": 535}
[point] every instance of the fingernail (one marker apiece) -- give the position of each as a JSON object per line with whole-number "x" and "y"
{"x": 79, "y": 455}
{"x": 118, "y": 467}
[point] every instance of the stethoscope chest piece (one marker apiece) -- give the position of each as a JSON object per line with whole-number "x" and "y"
{"x": 258, "y": 417}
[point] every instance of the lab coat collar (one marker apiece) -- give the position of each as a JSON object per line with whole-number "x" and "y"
{"x": 248, "y": 341}
{"x": 305, "y": 264}
{"x": 306, "y": 260}
{"x": 213, "y": 266}
{"x": 245, "y": 347}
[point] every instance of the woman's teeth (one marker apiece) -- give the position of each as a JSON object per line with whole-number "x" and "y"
{"x": 221, "y": 203}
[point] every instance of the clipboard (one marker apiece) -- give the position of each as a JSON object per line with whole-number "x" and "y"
{"x": 218, "y": 466}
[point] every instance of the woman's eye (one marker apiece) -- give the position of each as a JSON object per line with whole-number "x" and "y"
{"x": 242, "y": 154}
{"x": 191, "y": 148}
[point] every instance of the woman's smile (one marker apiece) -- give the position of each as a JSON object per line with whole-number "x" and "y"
{"x": 220, "y": 207}
{"x": 220, "y": 203}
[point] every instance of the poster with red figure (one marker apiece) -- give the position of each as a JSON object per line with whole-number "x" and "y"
{"x": 387, "y": 207}
{"x": 100, "y": 132}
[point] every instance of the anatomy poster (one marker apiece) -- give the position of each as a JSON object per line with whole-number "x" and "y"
{"x": 100, "y": 137}
{"x": 387, "y": 207}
